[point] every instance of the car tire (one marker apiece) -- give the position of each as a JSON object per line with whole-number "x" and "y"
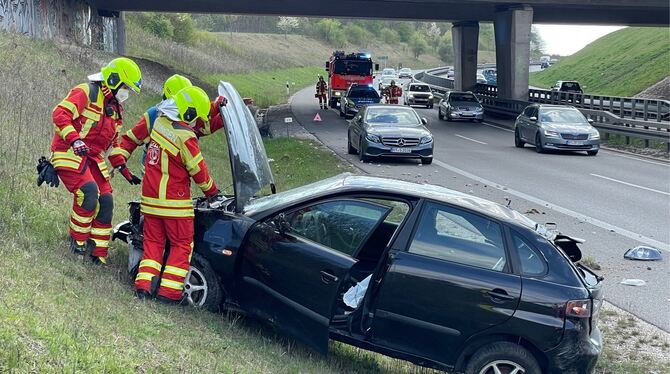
{"x": 592, "y": 153}
{"x": 440, "y": 115}
{"x": 350, "y": 148}
{"x": 427, "y": 161}
{"x": 538, "y": 144}
{"x": 517, "y": 139}
{"x": 503, "y": 355}
{"x": 201, "y": 285}
{"x": 333, "y": 104}
{"x": 361, "y": 154}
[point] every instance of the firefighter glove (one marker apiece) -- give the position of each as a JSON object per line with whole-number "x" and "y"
{"x": 46, "y": 173}
{"x": 221, "y": 101}
{"x": 80, "y": 148}
{"x": 130, "y": 177}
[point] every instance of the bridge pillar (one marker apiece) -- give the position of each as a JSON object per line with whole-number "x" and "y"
{"x": 512, "y": 34}
{"x": 465, "y": 36}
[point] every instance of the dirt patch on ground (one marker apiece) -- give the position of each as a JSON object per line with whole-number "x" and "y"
{"x": 660, "y": 90}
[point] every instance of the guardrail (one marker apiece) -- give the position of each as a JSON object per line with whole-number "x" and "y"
{"x": 641, "y": 118}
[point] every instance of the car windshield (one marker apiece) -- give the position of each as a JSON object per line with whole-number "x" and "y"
{"x": 392, "y": 116}
{"x": 353, "y": 67}
{"x": 571, "y": 85}
{"x": 365, "y": 94}
{"x": 562, "y": 116}
{"x": 463, "y": 97}
{"x": 388, "y": 72}
{"x": 387, "y": 81}
{"x": 405, "y": 70}
{"x": 419, "y": 88}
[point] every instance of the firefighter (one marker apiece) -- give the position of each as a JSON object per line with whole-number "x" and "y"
{"x": 202, "y": 127}
{"x": 86, "y": 125}
{"x": 321, "y": 89}
{"x": 394, "y": 92}
{"x": 173, "y": 158}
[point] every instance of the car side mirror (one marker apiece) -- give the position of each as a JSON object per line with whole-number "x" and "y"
{"x": 376, "y": 67}
{"x": 281, "y": 223}
{"x": 533, "y": 119}
{"x": 424, "y": 120}
{"x": 327, "y": 64}
{"x": 590, "y": 120}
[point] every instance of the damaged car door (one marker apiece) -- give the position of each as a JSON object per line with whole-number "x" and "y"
{"x": 452, "y": 281}
{"x": 294, "y": 264}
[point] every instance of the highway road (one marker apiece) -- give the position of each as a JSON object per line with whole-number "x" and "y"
{"x": 615, "y": 201}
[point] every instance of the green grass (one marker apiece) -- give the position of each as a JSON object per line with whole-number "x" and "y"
{"x": 269, "y": 87}
{"x": 622, "y": 63}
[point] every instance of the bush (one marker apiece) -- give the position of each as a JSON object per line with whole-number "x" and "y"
{"x": 389, "y": 36}
{"x": 356, "y": 34}
{"x": 446, "y": 48}
{"x": 159, "y": 25}
{"x": 418, "y": 44}
{"x": 404, "y": 31}
{"x": 184, "y": 28}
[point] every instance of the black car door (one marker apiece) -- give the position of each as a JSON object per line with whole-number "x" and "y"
{"x": 451, "y": 282}
{"x": 294, "y": 263}
{"x": 356, "y": 130}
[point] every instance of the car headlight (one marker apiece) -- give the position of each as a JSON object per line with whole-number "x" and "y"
{"x": 479, "y": 110}
{"x": 337, "y": 93}
{"x": 594, "y": 136}
{"x": 373, "y": 138}
{"x": 551, "y": 133}
{"x": 410, "y": 95}
{"x": 430, "y": 96}
{"x": 426, "y": 139}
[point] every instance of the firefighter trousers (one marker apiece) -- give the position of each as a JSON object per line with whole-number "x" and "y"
{"x": 92, "y": 206}
{"x": 322, "y": 100}
{"x": 179, "y": 231}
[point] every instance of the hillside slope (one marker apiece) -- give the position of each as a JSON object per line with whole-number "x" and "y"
{"x": 622, "y": 63}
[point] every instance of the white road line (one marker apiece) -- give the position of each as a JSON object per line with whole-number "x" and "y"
{"x": 496, "y": 127}
{"x": 558, "y": 208}
{"x": 637, "y": 158}
{"x": 630, "y": 184}
{"x": 472, "y": 140}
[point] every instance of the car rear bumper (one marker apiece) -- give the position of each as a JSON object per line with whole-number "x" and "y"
{"x": 571, "y": 145}
{"x": 577, "y": 353}
{"x": 419, "y": 101}
{"x": 380, "y": 150}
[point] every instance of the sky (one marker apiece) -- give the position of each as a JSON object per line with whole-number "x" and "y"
{"x": 567, "y": 39}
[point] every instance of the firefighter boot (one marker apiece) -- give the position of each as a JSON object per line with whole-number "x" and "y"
{"x": 98, "y": 260}
{"x": 78, "y": 248}
{"x": 142, "y": 294}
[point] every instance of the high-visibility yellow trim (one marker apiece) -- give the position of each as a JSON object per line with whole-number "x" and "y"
{"x": 77, "y": 217}
{"x": 207, "y": 185}
{"x": 102, "y": 166}
{"x": 168, "y": 202}
{"x": 172, "y": 284}
{"x": 69, "y": 155}
{"x": 121, "y": 152}
{"x": 69, "y": 106}
{"x": 88, "y": 124}
{"x": 175, "y": 271}
{"x": 132, "y": 137}
{"x": 144, "y": 276}
{"x": 65, "y": 164}
{"x": 150, "y": 263}
{"x": 99, "y": 231}
{"x": 166, "y": 212}
{"x": 162, "y": 140}
{"x": 194, "y": 161}
{"x": 79, "y": 229}
{"x": 79, "y": 196}
{"x": 165, "y": 176}
{"x": 89, "y": 113}
{"x": 99, "y": 243}
{"x": 65, "y": 131}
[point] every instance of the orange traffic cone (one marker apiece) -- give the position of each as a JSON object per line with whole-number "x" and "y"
{"x": 317, "y": 118}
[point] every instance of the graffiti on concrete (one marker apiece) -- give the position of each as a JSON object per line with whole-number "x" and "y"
{"x": 70, "y": 20}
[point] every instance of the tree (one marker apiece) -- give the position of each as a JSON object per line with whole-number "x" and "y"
{"x": 183, "y": 27}
{"x": 357, "y": 35}
{"x": 404, "y": 30}
{"x": 418, "y": 44}
{"x": 389, "y": 36}
{"x": 446, "y": 48}
{"x": 434, "y": 32}
{"x": 328, "y": 29}
{"x": 287, "y": 24}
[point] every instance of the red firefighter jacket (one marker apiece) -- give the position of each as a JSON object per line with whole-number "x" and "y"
{"x": 173, "y": 158}
{"x": 81, "y": 115}
{"x": 321, "y": 87}
{"x": 395, "y": 91}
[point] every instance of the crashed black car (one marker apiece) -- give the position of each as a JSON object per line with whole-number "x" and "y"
{"x": 417, "y": 272}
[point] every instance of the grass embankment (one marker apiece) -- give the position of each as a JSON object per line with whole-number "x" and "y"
{"x": 622, "y": 63}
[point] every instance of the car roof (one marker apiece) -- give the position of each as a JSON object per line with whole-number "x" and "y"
{"x": 417, "y": 84}
{"x": 555, "y": 106}
{"x": 347, "y": 183}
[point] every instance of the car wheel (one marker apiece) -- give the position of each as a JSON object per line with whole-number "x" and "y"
{"x": 201, "y": 285}
{"x": 517, "y": 139}
{"x": 502, "y": 357}
{"x": 350, "y": 148}
{"x": 439, "y": 114}
{"x": 361, "y": 154}
{"x": 592, "y": 153}
{"x": 427, "y": 161}
{"x": 448, "y": 116}
{"x": 333, "y": 104}
{"x": 538, "y": 144}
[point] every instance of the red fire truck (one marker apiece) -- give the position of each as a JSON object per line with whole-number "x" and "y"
{"x": 344, "y": 70}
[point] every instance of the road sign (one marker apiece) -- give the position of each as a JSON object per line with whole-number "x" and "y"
{"x": 317, "y": 118}
{"x": 382, "y": 57}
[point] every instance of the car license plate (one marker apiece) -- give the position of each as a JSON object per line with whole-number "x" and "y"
{"x": 467, "y": 114}
{"x": 574, "y": 142}
{"x": 401, "y": 150}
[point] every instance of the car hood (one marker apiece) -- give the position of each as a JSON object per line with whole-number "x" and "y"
{"x": 568, "y": 127}
{"x": 248, "y": 161}
{"x": 395, "y": 130}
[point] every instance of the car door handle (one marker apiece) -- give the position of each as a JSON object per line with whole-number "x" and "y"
{"x": 500, "y": 294}
{"x": 328, "y": 277}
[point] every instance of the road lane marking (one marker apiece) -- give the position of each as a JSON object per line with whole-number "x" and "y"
{"x": 630, "y": 184}
{"x": 637, "y": 158}
{"x": 496, "y": 127}
{"x": 472, "y": 140}
{"x": 558, "y": 208}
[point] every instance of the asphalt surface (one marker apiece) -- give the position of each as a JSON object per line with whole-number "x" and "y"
{"x": 615, "y": 201}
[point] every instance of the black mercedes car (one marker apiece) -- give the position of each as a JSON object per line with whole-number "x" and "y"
{"x": 418, "y": 272}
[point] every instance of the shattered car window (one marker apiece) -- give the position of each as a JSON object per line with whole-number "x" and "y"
{"x": 340, "y": 225}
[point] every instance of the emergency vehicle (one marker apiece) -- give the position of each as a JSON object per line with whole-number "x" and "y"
{"x": 345, "y": 70}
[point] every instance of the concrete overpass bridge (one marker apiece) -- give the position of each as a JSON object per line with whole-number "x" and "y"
{"x": 512, "y": 23}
